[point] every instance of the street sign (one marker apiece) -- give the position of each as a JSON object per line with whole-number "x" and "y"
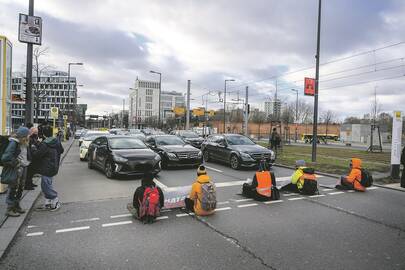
{"x": 396, "y": 144}
{"x": 30, "y": 29}
{"x": 65, "y": 117}
{"x": 179, "y": 110}
{"x": 309, "y": 87}
{"x": 54, "y": 112}
{"x": 198, "y": 112}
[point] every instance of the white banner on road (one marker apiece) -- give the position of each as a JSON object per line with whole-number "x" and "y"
{"x": 396, "y": 138}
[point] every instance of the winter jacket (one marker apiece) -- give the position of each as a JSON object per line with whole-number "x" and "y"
{"x": 354, "y": 176}
{"x": 138, "y": 195}
{"x": 48, "y": 153}
{"x": 9, "y": 174}
{"x": 196, "y": 195}
{"x": 296, "y": 177}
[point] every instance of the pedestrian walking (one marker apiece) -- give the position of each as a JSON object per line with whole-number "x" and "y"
{"x": 33, "y": 167}
{"x": 275, "y": 140}
{"x": 48, "y": 154}
{"x": 15, "y": 162}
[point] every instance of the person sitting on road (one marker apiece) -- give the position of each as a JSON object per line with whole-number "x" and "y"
{"x": 303, "y": 180}
{"x": 202, "y": 198}
{"x": 147, "y": 201}
{"x": 263, "y": 186}
{"x": 352, "y": 181}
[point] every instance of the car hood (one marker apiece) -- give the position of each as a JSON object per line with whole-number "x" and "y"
{"x": 251, "y": 148}
{"x": 194, "y": 139}
{"x": 178, "y": 148}
{"x": 135, "y": 153}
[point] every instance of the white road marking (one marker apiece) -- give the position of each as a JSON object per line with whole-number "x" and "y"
{"x": 247, "y": 205}
{"x": 290, "y": 194}
{"x": 31, "y": 226}
{"x": 294, "y": 199}
{"x": 117, "y": 223}
{"x": 160, "y": 184}
{"x": 184, "y": 215}
{"x": 210, "y": 168}
{"x": 162, "y": 217}
{"x": 73, "y": 229}
{"x": 35, "y": 234}
{"x": 230, "y": 184}
{"x": 220, "y": 203}
{"x": 165, "y": 210}
{"x": 120, "y": 216}
{"x": 85, "y": 220}
{"x": 243, "y": 200}
{"x": 351, "y": 191}
{"x": 222, "y": 209}
{"x": 271, "y": 202}
{"x": 371, "y": 188}
{"x": 336, "y": 193}
{"x": 317, "y": 196}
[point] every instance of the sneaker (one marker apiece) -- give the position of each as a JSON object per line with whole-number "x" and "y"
{"x": 56, "y": 207}
{"x": 45, "y": 207}
{"x": 12, "y": 213}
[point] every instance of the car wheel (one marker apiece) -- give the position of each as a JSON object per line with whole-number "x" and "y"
{"x": 164, "y": 164}
{"x": 90, "y": 164}
{"x": 82, "y": 159}
{"x": 206, "y": 156}
{"x": 108, "y": 170}
{"x": 235, "y": 164}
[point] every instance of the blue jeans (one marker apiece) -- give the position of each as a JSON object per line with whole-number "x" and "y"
{"x": 47, "y": 187}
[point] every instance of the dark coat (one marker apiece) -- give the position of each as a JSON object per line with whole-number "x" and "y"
{"x": 138, "y": 195}
{"x": 48, "y": 153}
{"x": 9, "y": 174}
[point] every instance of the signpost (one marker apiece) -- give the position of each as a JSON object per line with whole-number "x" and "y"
{"x": 309, "y": 87}
{"x": 396, "y": 144}
{"x": 54, "y": 115}
{"x": 30, "y": 29}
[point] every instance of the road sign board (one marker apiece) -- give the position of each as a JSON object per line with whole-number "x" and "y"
{"x": 309, "y": 87}
{"x": 54, "y": 112}
{"x": 30, "y": 29}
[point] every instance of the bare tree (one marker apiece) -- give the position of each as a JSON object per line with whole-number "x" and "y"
{"x": 258, "y": 118}
{"x": 327, "y": 118}
{"x": 375, "y": 108}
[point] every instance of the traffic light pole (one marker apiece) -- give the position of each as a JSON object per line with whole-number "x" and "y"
{"x": 247, "y": 111}
{"x": 28, "y": 75}
{"x": 315, "y": 126}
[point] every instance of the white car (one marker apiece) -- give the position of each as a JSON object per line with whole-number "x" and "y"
{"x": 90, "y": 133}
{"x": 86, "y": 141}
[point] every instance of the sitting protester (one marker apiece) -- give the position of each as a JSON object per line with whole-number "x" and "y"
{"x": 148, "y": 200}
{"x": 358, "y": 178}
{"x": 263, "y": 186}
{"x": 303, "y": 180}
{"x": 202, "y": 199}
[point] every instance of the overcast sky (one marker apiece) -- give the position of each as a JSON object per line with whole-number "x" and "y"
{"x": 255, "y": 42}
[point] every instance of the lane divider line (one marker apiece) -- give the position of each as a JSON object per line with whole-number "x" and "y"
{"x": 298, "y": 198}
{"x": 31, "y": 226}
{"x": 351, "y": 191}
{"x": 120, "y": 216}
{"x": 162, "y": 217}
{"x": 185, "y": 214}
{"x": 216, "y": 170}
{"x": 290, "y": 194}
{"x": 317, "y": 196}
{"x": 85, "y": 220}
{"x": 116, "y": 223}
{"x": 165, "y": 210}
{"x": 336, "y": 193}
{"x": 220, "y": 203}
{"x": 35, "y": 234}
{"x": 223, "y": 209}
{"x": 73, "y": 229}
{"x": 271, "y": 202}
{"x": 244, "y": 200}
{"x": 247, "y": 205}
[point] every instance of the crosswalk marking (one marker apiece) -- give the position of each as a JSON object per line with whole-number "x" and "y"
{"x": 294, "y": 199}
{"x": 162, "y": 217}
{"x": 116, "y": 223}
{"x": 317, "y": 196}
{"x": 247, "y": 205}
{"x": 120, "y": 216}
{"x": 271, "y": 202}
{"x": 73, "y": 229}
{"x": 243, "y": 200}
{"x": 35, "y": 234}
{"x": 222, "y": 209}
{"x": 336, "y": 193}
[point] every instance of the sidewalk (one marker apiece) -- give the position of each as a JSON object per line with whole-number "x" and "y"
{"x": 10, "y": 226}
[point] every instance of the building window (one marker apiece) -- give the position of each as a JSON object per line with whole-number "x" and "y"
{"x": 149, "y": 99}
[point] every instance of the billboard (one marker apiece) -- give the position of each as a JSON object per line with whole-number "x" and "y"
{"x": 5, "y": 85}
{"x": 30, "y": 29}
{"x": 309, "y": 87}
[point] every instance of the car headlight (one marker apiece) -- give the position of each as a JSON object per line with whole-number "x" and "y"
{"x": 245, "y": 156}
{"x": 199, "y": 154}
{"x": 172, "y": 156}
{"x": 157, "y": 158}
{"x": 272, "y": 155}
{"x": 119, "y": 159}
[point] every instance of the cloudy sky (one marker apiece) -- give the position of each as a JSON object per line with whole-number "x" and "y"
{"x": 259, "y": 43}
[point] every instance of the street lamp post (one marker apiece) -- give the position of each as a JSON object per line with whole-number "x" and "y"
{"x": 296, "y": 115}
{"x": 231, "y": 80}
{"x": 136, "y": 107}
{"x": 68, "y": 81}
{"x": 160, "y": 92}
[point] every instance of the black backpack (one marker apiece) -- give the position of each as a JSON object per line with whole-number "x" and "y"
{"x": 275, "y": 193}
{"x": 4, "y": 141}
{"x": 366, "y": 178}
{"x": 310, "y": 186}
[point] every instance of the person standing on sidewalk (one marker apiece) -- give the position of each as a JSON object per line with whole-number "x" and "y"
{"x": 15, "y": 162}
{"x": 32, "y": 168}
{"x": 48, "y": 154}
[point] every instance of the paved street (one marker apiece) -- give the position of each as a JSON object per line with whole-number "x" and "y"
{"x": 92, "y": 230}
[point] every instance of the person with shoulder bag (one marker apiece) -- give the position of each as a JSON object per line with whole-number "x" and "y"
{"x": 14, "y": 161}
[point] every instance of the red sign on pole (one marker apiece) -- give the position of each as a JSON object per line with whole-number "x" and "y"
{"x": 309, "y": 87}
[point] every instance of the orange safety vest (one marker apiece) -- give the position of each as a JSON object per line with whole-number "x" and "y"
{"x": 263, "y": 183}
{"x": 308, "y": 176}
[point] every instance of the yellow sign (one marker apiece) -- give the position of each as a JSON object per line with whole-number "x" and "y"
{"x": 211, "y": 112}
{"x": 65, "y": 117}
{"x": 397, "y": 114}
{"x": 198, "y": 112}
{"x": 179, "y": 110}
{"x": 54, "y": 112}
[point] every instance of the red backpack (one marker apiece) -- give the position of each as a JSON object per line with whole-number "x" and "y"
{"x": 149, "y": 207}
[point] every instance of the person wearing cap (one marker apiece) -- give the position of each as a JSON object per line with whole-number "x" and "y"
{"x": 15, "y": 162}
{"x": 353, "y": 179}
{"x": 195, "y": 199}
{"x": 33, "y": 167}
{"x": 297, "y": 181}
{"x": 262, "y": 186}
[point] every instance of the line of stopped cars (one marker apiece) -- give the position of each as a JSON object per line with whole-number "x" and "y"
{"x": 132, "y": 152}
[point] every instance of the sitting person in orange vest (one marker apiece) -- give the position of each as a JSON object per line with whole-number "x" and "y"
{"x": 263, "y": 186}
{"x": 352, "y": 181}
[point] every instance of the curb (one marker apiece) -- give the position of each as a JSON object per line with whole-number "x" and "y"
{"x": 11, "y": 226}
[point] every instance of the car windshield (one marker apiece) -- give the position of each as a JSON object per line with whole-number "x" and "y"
{"x": 126, "y": 143}
{"x": 92, "y": 136}
{"x": 189, "y": 134}
{"x": 169, "y": 140}
{"x": 239, "y": 140}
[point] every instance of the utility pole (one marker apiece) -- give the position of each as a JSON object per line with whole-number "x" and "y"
{"x": 28, "y": 75}
{"x": 247, "y": 111}
{"x": 188, "y": 105}
{"x": 296, "y": 115}
{"x": 315, "y": 127}
{"x": 160, "y": 93}
{"x": 232, "y": 80}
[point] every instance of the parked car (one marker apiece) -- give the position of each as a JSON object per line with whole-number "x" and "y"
{"x": 83, "y": 150}
{"x": 91, "y": 132}
{"x": 235, "y": 150}
{"x": 190, "y": 137}
{"x": 139, "y": 136}
{"x": 79, "y": 133}
{"x": 122, "y": 155}
{"x": 174, "y": 151}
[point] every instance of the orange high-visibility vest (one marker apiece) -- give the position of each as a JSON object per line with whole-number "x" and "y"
{"x": 263, "y": 183}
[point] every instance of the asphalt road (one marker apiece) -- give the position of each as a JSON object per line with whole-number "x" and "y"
{"x": 92, "y": 230}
